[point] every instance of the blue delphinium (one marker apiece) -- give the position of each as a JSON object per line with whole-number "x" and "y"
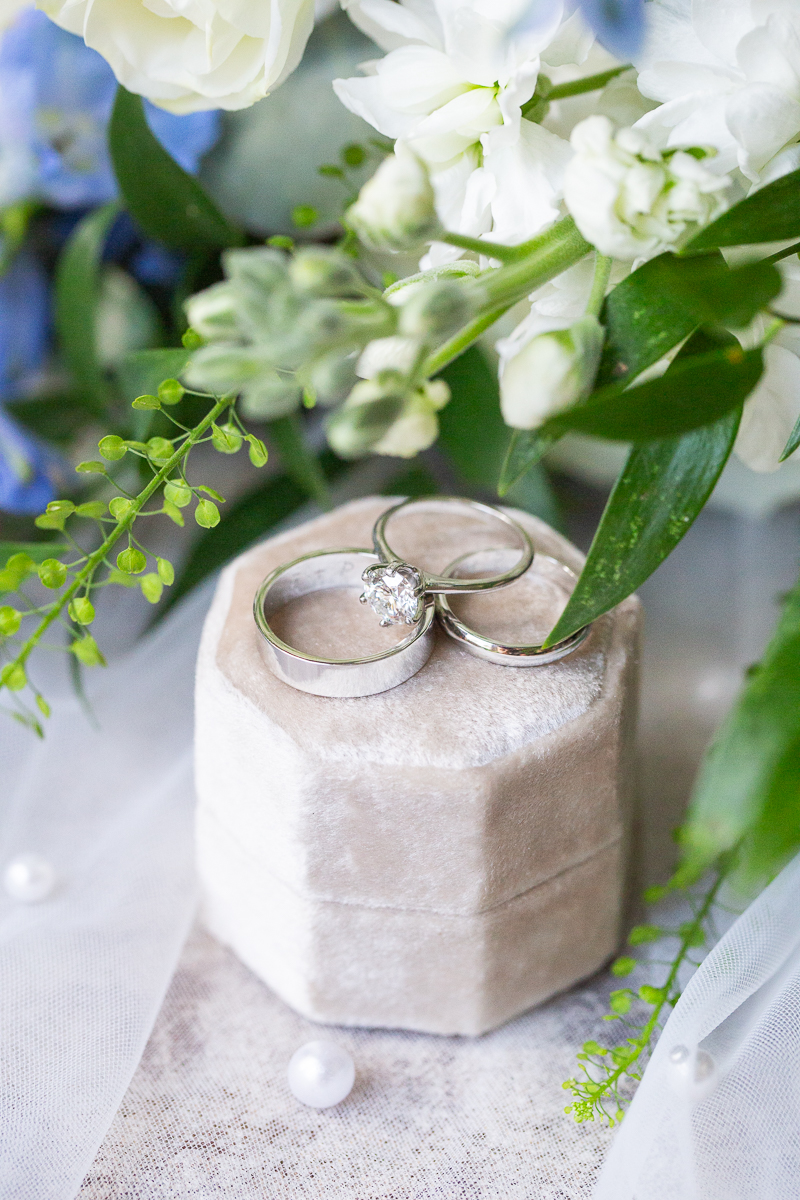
{"x": 25, "y": 465}
{"x": 618, "y": 24}
{"x": 56, "y": 97}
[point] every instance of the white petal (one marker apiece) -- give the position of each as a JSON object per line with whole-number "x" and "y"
{"x": 771, "y": 412}
{"x": 364, "y": 97}
{"x": 392, "y": 25}
{"x": 762, "y": 119}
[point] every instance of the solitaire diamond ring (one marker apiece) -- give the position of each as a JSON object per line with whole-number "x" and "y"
{"x": 397, "y": 591}
{"x": 341, "y": 677}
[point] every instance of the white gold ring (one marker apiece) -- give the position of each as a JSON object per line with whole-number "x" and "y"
{"x": 506, "y": 654}
{"x": 320, "y": 571}
{"x": 397, "y": 591}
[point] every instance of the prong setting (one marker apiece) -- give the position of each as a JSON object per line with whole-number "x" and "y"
{"x": 394, "y": 591}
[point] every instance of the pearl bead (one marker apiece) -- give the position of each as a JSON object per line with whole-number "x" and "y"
{"x": 695, "y": 1074}
{"x": 321, "y": 1074}
{"x": 29, "y": 878}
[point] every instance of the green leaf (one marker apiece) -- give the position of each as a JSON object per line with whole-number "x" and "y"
{"x": 10, "y": 620}
{"x": 81, "y": 610}
{"x": 131, "y": 561}
{"x": 640, "y": 935}
{"x": 526, "y": 448}
{"x": 52, "y": 573}
{"x": 77, "y": 294}
{"x": 749, "y": 782}
{"x": 772, "y": 214}
{"x": 93, "y": 509}
{"x": 620, "y": 1001}
{"x": 152, "y": 587}
{"x": 209, "y": 491}
{"x": 696, "y": 391}
{"x": 148, "y": 403}
{"x": 91, "y": 467}
{"x": 13, "y": 677}
{"x": 174, "y": 513}
{"x": 661, "y": 489}
{"x": 178, "y": 493}
{"x": 112, "y": 447}
{"x": 166, "y": 571}
{"x": 87, "y": 651}
{"x": 207, "y": 514}
{"x": 623, "y": 966}
{"x": 226, "y": 439}
{"x": 171, "y": 392}
{"x": 160, "y": 449}
{"x": 651, "y": 995}
{"x": 299, "y": 462}
{"x": 793, "y": 442}
{"x": 258, "y": 451}
{"x": 475, "y": 437}
{"x": 119, "y": 506}
{"x": 168, "y": 204}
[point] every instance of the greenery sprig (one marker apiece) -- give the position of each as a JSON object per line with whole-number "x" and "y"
{"x": 609, "y": 1075}
{"x": 83, "y": 571}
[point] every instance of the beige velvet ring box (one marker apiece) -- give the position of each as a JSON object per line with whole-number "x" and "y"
{"x": 438, "y": 857}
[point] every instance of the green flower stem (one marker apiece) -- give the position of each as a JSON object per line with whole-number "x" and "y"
{"x": 490, "y": 249}
{"x": 602, "y": 274}
{"x": 590, "y": 83}
{"x": 95, "y": 559}
{"x": 498, "y": 289}
{"x": 301, "y": 465}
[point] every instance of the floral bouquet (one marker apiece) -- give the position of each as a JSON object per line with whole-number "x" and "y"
{"x": 579, "y": 218}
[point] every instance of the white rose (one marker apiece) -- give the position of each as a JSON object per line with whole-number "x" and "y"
{"x": 187, "y": 55}
{"x": 629, "y": 198}
{"x": 549, "y": 372}
{"x": 395, "y": 209}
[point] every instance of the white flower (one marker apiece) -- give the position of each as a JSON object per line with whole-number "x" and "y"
{"x": 187, "y": 55}
{"x": 417, "y": 427}
{"x": 382, "y": 416}
{"x": 770, "y": 413}
{"x": 451, "y": 87}
{"x": 548, "y": 372}
{"x": 395, "y": 209}
{"x": 628, "y": 198}
{"x": 728, "y": 76}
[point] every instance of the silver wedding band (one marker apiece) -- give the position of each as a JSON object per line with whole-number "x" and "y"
{"x": 506, "y": 654}
{"x": 320, "y": 676}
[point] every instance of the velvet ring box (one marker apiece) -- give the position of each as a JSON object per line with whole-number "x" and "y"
{"x": 438, "y": 857}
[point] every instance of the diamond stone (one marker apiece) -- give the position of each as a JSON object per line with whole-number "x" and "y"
{"x": 393, "y": 592}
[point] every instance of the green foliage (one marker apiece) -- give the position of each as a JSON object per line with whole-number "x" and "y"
{"x": 206, "y": 514}
{"x": 77, "y": 295}
{"x": 772, "y": 214}
{"x": 793, "y": 442}
{"x": 640, "y": 935}
{"x": 299, "y": 462}
{"x": 112, "y": 447}
{"x": 141, "y": 372}
{"x": 81, "y": 610}
{"x": 131, "y": 561}
{"x": 52, "y": 573}
{"x": 661, "y": 490}
{"x": 748, "y": 789}
{"x": 166, "y": 202}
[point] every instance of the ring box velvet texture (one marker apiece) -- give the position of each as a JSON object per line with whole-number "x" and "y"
{"x": 438, "y": 857}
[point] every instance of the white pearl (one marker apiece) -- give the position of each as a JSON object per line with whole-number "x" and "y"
{"x": 694, "y": 1073}
{"x": 29, "y": 878}
{"x": 321, "y": 1074}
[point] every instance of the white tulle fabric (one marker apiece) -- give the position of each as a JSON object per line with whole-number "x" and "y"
{"x": 207, "y": 1112}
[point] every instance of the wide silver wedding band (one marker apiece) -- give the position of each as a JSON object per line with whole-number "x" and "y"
{"x": 506, "y": 654}
{"x": 343, "y": 677}
{"x": 396, "y": 590}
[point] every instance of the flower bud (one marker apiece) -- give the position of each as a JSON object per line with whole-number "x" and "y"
{"x": 435, "y": 311}
{"x": 388, "y": 354}
{"x": 325, "y": 272}
{"x": 396, "y": 209}
{"x": 226, "y": 367}
{"x": 369, "y": 412}
{"x": 551, "y": 372}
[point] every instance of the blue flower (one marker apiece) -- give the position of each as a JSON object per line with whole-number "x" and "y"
{"x": 25, "y": 465}
{"x": 56, "y": 97}
{"x": 618, "y": 24}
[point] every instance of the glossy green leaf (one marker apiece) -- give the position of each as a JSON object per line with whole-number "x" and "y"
{"x": 77, "y": 292}
{"x": 793, "y": 442}
{"x": 696, "y": 391}
{"x": 166, "y": 202}
{"x": 660, "y": 491}
{"x": 771, "y": 214}
{"x": 526, "y": 447}
{"x": 749, "y": 782}
{"x": 662, "y": 302}
{"x": 475, "y": 437}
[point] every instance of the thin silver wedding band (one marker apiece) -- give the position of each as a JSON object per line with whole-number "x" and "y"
{"x": 441, "y": 584}
{"x": 319, "y": 571}
{"x": 503, "y": 653}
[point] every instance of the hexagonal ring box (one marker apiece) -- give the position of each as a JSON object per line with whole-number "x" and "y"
{"x": 438, "y": 857}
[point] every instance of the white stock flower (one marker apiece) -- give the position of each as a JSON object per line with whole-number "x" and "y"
{"x": 417, "y": 427}
{"x": 187, "y": 55}
{"x": 727, "y": 75}
{"x": 770, "y": 413}
{"x": 628, "y": 198}
{"x": 395, "y": 209}
{"x": 451, "y": 87}
{"x": 547, "y": 372}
